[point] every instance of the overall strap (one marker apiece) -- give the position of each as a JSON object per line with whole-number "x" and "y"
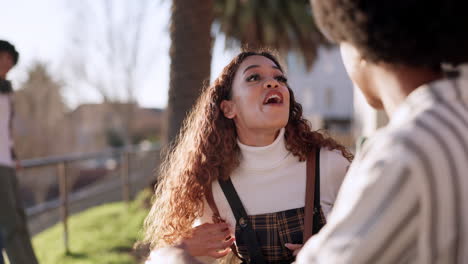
{"x": 317, "y": 207}
{"x": 248, "y": 234}
{"x": 312, "y": 171}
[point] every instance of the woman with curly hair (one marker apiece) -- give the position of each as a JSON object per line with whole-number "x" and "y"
{"x": 238, "y": 170}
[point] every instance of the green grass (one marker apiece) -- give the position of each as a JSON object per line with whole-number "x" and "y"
{"x": 102, "y": 234}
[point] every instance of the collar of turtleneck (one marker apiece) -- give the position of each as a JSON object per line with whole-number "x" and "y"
{"x": 266, "y": 157}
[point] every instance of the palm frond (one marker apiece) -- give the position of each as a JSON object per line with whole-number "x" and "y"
{"x": 278, "y": 24}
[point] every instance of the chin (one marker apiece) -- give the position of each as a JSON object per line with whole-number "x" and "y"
{"x": 278, "y": 124}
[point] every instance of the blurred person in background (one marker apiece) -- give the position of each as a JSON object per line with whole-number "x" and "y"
{"x": 404, "y": 197}
{"x": 13, "y": 228}
{"x": 239, "y": 168}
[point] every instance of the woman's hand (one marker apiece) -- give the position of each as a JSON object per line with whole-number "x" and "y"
{"x": 295, "y": 248}
{"x": 209, "y": 239}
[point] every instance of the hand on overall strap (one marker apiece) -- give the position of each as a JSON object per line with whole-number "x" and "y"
{"x": 295, "y": 248}
{"x": 211, "y": 240}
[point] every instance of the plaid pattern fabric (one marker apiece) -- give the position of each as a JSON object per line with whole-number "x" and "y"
{"x": 273, "y": 231}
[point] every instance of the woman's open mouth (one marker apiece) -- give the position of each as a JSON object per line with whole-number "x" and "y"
{"x": 273, "y": 98}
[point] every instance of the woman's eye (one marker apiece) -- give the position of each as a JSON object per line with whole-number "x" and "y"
{"x": 281, "y": 79}
{"x": 253, "y": 77}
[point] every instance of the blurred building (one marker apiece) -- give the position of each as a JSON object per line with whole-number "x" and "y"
{"x": 325, "y": 92}
{"x": 100, "y": 126}
{"x": 330, "y": 99}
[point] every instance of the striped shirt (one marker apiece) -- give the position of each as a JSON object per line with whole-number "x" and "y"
{"x": 405, "y": 198}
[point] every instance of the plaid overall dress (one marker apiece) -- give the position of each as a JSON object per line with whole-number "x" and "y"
{"x": 274, "y": 230}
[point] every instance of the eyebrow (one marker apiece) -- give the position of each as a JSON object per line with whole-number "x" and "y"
{"x": 256, "y": 66}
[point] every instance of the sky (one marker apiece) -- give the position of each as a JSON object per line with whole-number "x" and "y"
{"x": 41, "y": 31}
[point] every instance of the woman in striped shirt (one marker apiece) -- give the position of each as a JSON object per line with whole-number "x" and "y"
{"x": 404, "y": 197}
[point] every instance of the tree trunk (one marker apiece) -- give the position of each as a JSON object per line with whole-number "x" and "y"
{"x": 190, "y": 52}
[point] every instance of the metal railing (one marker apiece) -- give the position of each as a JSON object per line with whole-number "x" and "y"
{"x": 72, "y": 183}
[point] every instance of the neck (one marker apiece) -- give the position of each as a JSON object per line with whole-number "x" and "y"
{"x": 257, "y": 137}
{"x": 395, "y": 83}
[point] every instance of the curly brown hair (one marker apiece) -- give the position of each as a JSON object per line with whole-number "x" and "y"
{"x": 206, "y": 150}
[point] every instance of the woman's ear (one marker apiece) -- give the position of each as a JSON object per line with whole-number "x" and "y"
{"x": 228, "y": 109}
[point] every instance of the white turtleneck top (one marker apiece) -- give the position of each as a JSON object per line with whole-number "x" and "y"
{"x": 271, "y": 179}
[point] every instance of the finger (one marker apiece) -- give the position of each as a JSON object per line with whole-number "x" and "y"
{"x": 220, "y": 231}
{"x": 295, "y": 252}
{"x": 219, "y": 254}
{"x": 293, "y": 247}
{"x": 220, "y": 245}
{"x": 210, "y": 228}
{"x": 221, "y": 235}
{"x": 222, "y": 226}
{"x": 226, "y": 234}
{"x": 219, "y": 226}
{"x": 228, "y": 242}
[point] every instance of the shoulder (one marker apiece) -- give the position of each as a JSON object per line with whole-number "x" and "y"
{"x": 333, "y": 164}
{"x": 392, "y": 146}
{"x": 389, "y": 151}
{"x": 333, "y": 169}
{"x": 333, "y": 156}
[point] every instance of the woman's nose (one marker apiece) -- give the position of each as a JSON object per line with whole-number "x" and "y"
{"x": 271, "y": 84}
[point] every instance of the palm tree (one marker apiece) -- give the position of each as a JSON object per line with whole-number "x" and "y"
{"x": 190, "y": 54}
{"x": 279, "y": 24}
